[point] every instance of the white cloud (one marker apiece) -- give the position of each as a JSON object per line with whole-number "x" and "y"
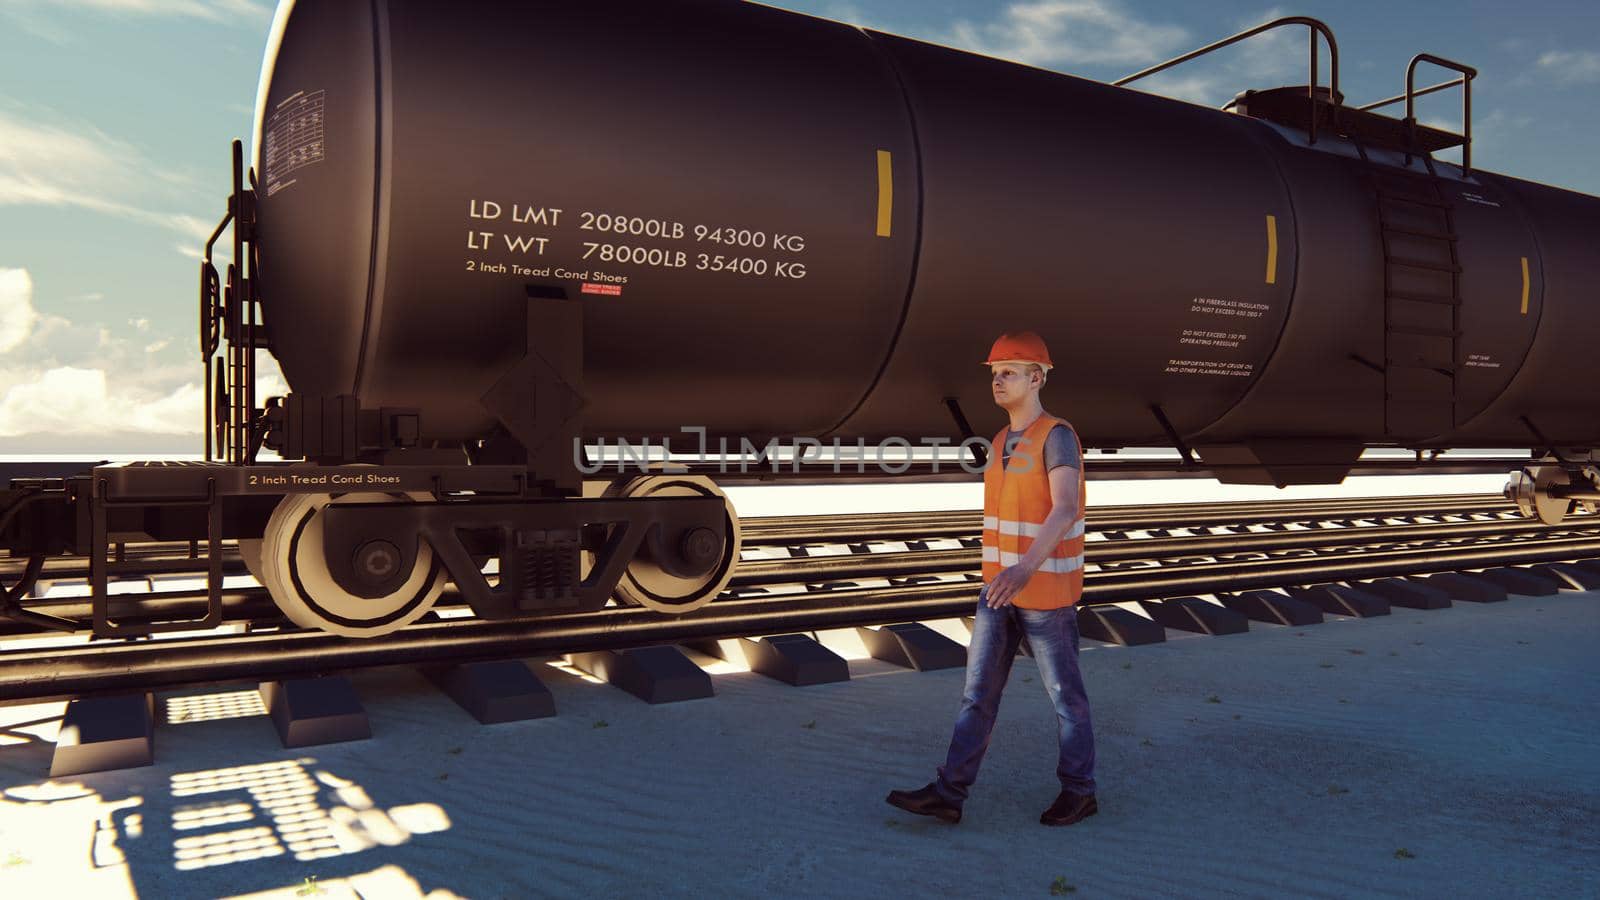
{"x": 845, "y": 12}
{"x": 210, "y": 10}
{"x": 1271, "y": 59}
{"x": 1069, "y": 33}
{"x": 17, "y": 315}
{"x": 1571, "y": 66}
{"x": 83, "y": 401}
{"x": 83, "y": 167}
{"x": 74, "y": 401}
{"x": 1065, "y": 33}
{"x": 75, "y": 380}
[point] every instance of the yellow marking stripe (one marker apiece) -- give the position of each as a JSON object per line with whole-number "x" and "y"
{"x": 885, "y": 192}
{"x": 1524, "y": 285}
{"x": 1272, "y": 249}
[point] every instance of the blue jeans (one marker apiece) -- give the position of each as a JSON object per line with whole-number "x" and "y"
{"x": 1053, "y": 636}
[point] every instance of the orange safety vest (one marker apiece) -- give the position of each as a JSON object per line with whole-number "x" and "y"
{"x": 1015, "y": 504}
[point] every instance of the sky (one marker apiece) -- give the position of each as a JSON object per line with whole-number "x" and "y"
{"x": 115, "y": 119}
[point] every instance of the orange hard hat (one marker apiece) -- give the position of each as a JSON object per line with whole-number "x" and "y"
{"x": 1019, "y": 346}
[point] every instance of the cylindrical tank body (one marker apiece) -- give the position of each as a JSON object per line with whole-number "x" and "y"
{"x": 781, "y": 225}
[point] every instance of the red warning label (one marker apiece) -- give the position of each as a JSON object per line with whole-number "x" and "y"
{"x": 610, "y": 290}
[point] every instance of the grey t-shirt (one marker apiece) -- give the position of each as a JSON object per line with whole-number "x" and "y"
{"x": 1060, "y": 449}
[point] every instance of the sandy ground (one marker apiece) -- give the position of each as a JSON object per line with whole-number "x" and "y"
{"x": 1428, "y": 754}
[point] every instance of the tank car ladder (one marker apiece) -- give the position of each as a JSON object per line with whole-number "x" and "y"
{"x": 1421, "y": 317}
{"x": 1414, "y": 213}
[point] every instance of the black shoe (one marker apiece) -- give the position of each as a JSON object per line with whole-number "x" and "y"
{"x": 1069, "y": 808}
{"x": 925, "y": 802}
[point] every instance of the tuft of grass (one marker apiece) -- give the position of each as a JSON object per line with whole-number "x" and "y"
{"x": 1416, "y": 643}
{"x": 1027, "y": 678}
{"x": 1393, "y": 653}
{"x": 1127, "y": 665}
{"x": 1236, "y": 715}
{"x": 1522, "y": 642}
{"x": 1343, "y": 700}
{"x": 1147, "y": 743}
{"x": 444, "y": 776}
{"x": 601, "y": 723}
{"x": 1060, "y": 886}
{"x": 309, "y": 887}
{"x": 1213, "y": 699}
{"x": 1334, "y": 790}
{"x": 454, "y": 751}
{"x": 1353, "y": 652}
{"x": 810, "y": 724}
{"x": 1326, "y": 665}
{"x": 1403, "y": 853}
{"x": 13, "y": 859}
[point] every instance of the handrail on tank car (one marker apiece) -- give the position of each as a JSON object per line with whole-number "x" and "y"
{"x": 1315, "y": 25}
{"x": 1434, "y": 88}
{"x": 1410, "y": 97}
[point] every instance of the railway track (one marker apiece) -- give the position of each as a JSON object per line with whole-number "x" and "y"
{"x": 1137, "y": 557}
{"x": 823, "y": 553}
{"x": 1110, "y": 522}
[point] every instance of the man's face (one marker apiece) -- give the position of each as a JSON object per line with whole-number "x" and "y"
{"x": 1010, "y": 383}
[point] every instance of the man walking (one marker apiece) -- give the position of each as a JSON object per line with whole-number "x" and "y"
{"x": 1033, "y": 509}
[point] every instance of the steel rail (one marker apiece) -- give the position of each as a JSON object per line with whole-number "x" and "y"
{"x": 49, "y": 673}
{"x": 970, "y": 522}
{"x": 169, "y": 557}
{"x": 917, "y": 562}
{"x": 1283, "y": 508}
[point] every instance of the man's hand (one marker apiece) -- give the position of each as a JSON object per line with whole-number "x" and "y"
{"x": 1006, "y": 585}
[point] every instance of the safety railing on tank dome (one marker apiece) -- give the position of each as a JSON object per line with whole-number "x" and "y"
{"x": 1410, "y": 97}
{"x": 1316, "y": 27}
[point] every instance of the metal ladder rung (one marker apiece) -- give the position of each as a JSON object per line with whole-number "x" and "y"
{"x": 1430, "y": 332}
{"x": 1442, "y": 368}
{"x": 1419, "y": 232}
{"x": 1426, "y": 178}
{"x": 1423, "y": 264}
{"x": 1394, "y": 198}
{"x": 1423, "y": 298}
{"x": 1421, "y": 395}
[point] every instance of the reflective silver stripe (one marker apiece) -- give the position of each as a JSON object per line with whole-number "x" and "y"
{"x": 1056, "y": 565}
{"x": 1025, "y": 529}
{"x": 1062, "y": 565}
{"x": 1029, "y": 529}
{"x": 991, "y": 523}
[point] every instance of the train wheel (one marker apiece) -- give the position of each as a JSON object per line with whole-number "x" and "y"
{"x": 646, "y": 582}
{"x": 296, "y": 573}
{"x": 1529, "y": 488}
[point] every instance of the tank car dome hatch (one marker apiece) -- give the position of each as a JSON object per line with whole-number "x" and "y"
{"x": 1241, "y": 101}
